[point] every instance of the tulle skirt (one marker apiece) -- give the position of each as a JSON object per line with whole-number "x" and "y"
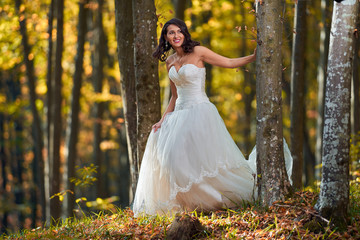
{"x": 192, "y": 163}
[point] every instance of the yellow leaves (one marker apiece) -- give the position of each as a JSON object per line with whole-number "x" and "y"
{"x": 238, "y": 96}
{"x": 108, "y": 145}
{"x": 2, "y": 98}
{"x": 31, "y": 56}
{"x": 213, "y": 23}
{"x": 22, "y": 8}
{"x": 41, "y": 88}
{"x": 103, "y": 204}
{"x": 39, "y": 104}
{"x": 6, "y": 8}
{"x": 82, "y": 199}
{"x": 61, "y": 195}
{"x": 227, "y": 6}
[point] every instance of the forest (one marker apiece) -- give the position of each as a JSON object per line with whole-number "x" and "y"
{"x": 80, "y": 90}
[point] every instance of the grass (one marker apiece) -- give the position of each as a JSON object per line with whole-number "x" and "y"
{"x": 284, "y": 220}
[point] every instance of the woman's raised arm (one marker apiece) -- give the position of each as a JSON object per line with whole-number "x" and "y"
{"x": 213, "y": 58}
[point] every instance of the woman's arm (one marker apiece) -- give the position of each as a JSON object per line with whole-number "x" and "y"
{"x": 171, "y": 105}
{"x": 213, "y": 58}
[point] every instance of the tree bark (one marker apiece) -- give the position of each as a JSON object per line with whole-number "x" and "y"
{"x": 297, "y": 105}
{"x": 16, "y": 136}
{"x": 356, "y": 85}
{"x": 98, "y": 77}
{"x": 334, "y": 189}
{"x": 37, "y": 132}
{"x": 249, "y": 92}
{"x": 146, "y": 71}
{"x": 72, "y": 135}
{"x": 309, "y": 161}
{"x": 48, "y": 110}
{"x": 125, "y": 43}
{"x": 4, "y": 175}
{"x": 321, "y": 76}
{"x": 180, "y": 6}
{"x": 56, "y": 126}
{"x": 272, "y": 177}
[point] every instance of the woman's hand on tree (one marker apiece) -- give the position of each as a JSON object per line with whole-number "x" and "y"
{"x": 254, "y": 54}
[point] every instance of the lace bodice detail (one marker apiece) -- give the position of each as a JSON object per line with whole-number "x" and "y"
{"x": 190, "y": 85}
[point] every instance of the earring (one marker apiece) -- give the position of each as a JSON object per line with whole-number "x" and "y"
{"x": 166, "y": 44}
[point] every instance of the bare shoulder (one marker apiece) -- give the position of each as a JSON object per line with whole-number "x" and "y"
{"x": 201, "y": 51}
{"x": 170, "y": 60}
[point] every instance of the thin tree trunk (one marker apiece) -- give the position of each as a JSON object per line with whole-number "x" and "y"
{"x": 48, "y": 110}
{"x": 98, "y": 78}
{"x": 298, "y": 92}
{"x": 72, "y": 135}
{"x": 124, "y": 171}
{"x": 180, "y": 6}
{"x": 309, "y": 161}
{"x": 56, "y": 126}
{"x": 334, "y": 189}
{"x": 125, "y": 43}
{"x": 37, "y": 133}
{"x": 17, "y": 149}
{"x": 321, "y": 76}
{"x": 249, "y": 92}
{"x": 272, "y": 177}
{"x": 146, "y": 71}
{"x": 3, "y": 163}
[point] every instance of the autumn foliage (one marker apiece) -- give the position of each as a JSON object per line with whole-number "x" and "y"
{"x": 291, "y": 219}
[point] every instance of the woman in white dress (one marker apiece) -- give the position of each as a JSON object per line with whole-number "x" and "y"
{"x": 190, "y": 161}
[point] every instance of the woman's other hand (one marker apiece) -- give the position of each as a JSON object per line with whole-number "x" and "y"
{"x": 157, "y": 125}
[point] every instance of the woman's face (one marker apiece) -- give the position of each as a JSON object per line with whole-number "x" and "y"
{"x": 174, "y": 36}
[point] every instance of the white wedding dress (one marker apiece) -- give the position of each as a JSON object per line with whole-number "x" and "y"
{"x": 192, "y": 162}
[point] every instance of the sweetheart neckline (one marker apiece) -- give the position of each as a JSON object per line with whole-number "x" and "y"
{"x": 177, "y": 71}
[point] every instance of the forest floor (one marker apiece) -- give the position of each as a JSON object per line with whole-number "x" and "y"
{"x": 291, "y": 219}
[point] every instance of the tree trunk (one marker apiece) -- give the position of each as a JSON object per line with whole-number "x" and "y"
{"x": 356, "y": 93}
{"x": 356, "y": 85}
{"x": 125, "y": 43}
{"x": 48, "y": 110}
{"x": 98, "y": 76}
{"x": 272, "y": 177}
{"x": 249, "y": 92}
{"x": 146, "y": 71}
{"x": 124, "y": 179}
{"x": 16, "y": 137}
{"x": 37, "y": 132}
{"x": 309, "y": 161}
{"x": 56, "y": 124}
{"x": 72, "y": 135}
{"x": 180, "y": 6}
{"x": 4, "y": 175}
{"x": 19, "y": 157}
{"x": 321, "y": 76}
{"x": 297, "y": 92}
{"x": 334, "y": 189}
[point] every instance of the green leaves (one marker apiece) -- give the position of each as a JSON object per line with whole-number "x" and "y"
{"x": 86, "y": 176}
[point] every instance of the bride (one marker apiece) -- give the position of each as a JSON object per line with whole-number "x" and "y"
{"x": 190, "y": 161}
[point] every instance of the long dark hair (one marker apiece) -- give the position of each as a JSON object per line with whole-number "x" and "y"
{"x": 162, "y": 49}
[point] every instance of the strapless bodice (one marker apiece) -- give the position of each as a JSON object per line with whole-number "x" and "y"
{"x": 190, "y": 85}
